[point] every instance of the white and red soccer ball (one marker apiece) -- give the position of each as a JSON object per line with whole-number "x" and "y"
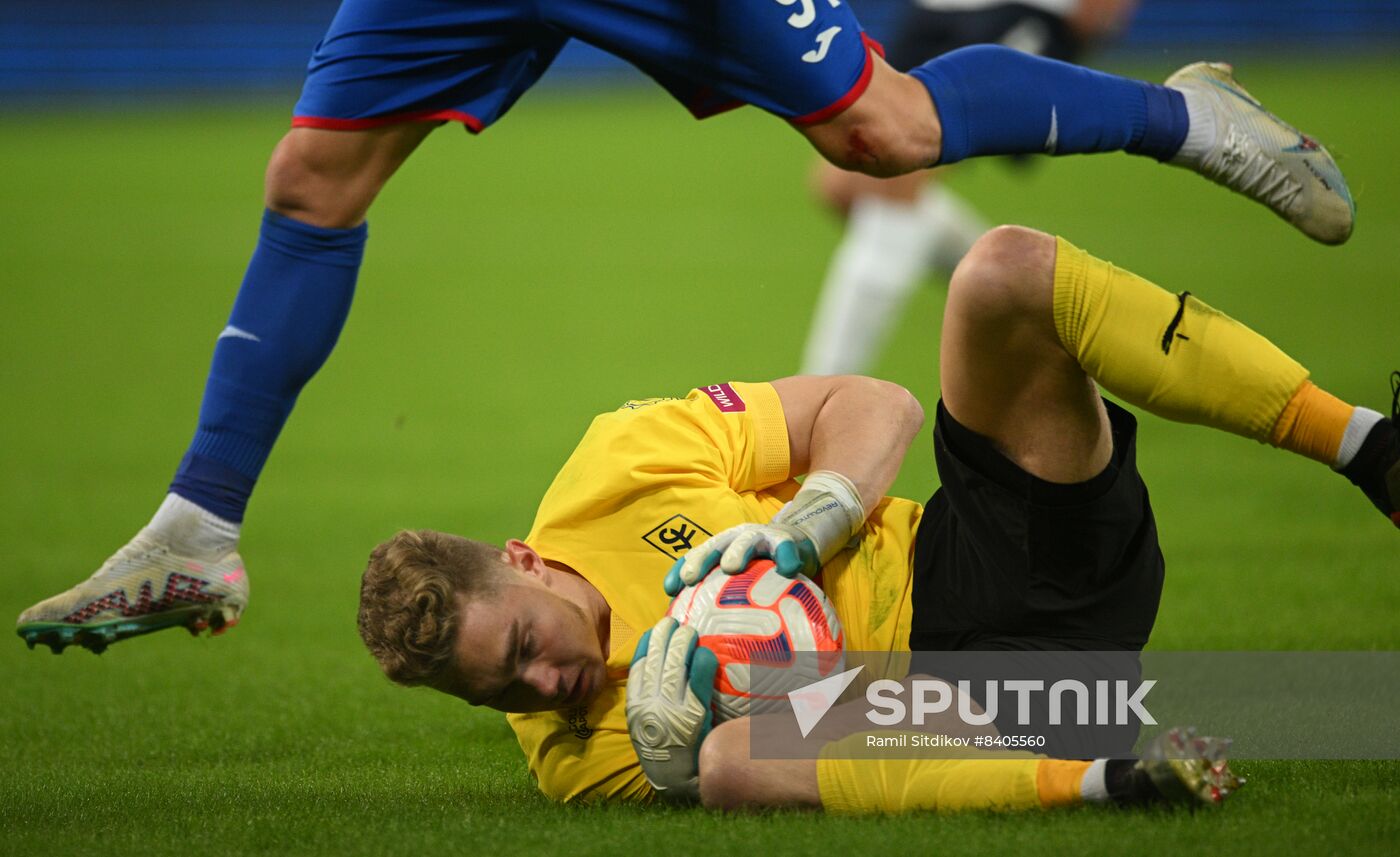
{"x": 770, "y": 634}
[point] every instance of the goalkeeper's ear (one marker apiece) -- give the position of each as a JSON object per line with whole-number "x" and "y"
{"x": 527, "y": 561}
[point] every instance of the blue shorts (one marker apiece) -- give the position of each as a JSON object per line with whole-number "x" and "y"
{"x": 388, "y": 61}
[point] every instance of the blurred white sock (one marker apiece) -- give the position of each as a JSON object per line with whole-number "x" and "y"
{"x": 887, "y": 248}
{"x": 877, "y": 265}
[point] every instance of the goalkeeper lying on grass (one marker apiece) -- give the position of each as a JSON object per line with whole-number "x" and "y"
{"x": 547, "y": 628}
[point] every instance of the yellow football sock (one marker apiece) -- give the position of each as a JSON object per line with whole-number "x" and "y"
{"x": 1172, "y": 355}
{"x": 996, "y": 781}
{"x": 1313, "y": 424}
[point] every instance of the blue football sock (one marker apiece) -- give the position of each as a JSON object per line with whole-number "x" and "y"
{"x": 993, "y": 100}
{"x": 285, "y": 321}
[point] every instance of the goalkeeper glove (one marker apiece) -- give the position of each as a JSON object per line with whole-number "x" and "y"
{"x": 812, "y": 528}
{"x": 669, "y": 687}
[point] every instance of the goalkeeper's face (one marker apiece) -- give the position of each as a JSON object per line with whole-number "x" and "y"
{"x": 528, "y": 647}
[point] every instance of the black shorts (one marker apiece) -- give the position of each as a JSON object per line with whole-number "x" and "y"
{"x": 922, "y": 34}
{"x": 1004, "y": 560}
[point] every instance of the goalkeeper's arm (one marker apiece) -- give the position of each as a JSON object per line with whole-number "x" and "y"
{"x": 847, "y": 424}
{"x": 849, "y": 434}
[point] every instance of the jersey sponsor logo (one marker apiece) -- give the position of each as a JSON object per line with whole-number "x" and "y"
{"x": 824, "y": 38}
{"x": 806, "y": 16}
{"x": 676, "y": 535}
{"x": 724, "y": 398}
{"x": 578, "y": 723}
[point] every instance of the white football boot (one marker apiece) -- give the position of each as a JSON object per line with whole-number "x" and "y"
{"x": 1235, "y": 142}
{"x": 166, "y": 577}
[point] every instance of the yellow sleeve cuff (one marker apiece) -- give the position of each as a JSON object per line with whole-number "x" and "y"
{"x": 771, "y": 461}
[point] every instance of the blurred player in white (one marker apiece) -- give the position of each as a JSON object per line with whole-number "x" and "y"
{"x": 900, "y": 229}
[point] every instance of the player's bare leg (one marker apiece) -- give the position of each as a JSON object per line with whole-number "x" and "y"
{"x": 330, "y": 178}
{"x": 1004, "y": 373}
{"x": 183, "y": 569}
{"x": 730, "y": 778}
{"x": 989, "y": 100}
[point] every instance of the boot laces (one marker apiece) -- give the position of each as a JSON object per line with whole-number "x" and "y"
{"x": 1244, "y": 167}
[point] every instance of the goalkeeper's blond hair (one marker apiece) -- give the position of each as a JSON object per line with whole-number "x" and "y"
{"x": 409, "y": 599}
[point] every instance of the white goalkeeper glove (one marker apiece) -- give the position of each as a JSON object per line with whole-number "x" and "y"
{"x": 669, "y": 687}
{"x": 813, "y": 527}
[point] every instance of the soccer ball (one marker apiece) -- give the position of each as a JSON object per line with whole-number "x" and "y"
{"x": 770, "y": 634}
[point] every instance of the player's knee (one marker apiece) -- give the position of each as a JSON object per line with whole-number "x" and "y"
{"x": 891, "y": 130}
{"x": 1008, "y": 248}
{"x": 880, "y": 146}
{"x": 1008, "y": 271}
{"x": 724, "y": 759}
{"x": 300, "y": 184}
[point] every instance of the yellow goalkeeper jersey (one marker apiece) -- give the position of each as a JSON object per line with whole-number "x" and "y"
{"x": 647, "y": 482}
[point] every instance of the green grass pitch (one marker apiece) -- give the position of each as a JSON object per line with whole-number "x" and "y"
{"x": 589, "y": 249}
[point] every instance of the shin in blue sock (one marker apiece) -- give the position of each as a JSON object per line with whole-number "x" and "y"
{"x": 288, "y": 314}
{"x": 994, "y": 100}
